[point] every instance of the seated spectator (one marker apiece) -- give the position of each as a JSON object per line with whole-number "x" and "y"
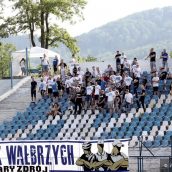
{"x": 55, "y": 110}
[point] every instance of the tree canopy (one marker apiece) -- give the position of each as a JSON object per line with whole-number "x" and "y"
{"x": 5, "y": 58}
{"x": 38, "y": 16}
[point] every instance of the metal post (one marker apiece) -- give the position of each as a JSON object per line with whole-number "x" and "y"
{"x": 11, "y": 73}
{"x": 170, "y": 159}
{"x": 27, "y": 62}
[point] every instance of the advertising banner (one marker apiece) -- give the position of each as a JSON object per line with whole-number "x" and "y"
{"x": 55, "y": 156}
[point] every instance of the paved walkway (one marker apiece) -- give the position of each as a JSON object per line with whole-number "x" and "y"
{"x": 5, "y": 85}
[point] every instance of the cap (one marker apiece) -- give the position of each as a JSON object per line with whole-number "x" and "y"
{"x": 100, "y": 142}
{"x": 117, "y": 143}
{"x": 86, "y": 145}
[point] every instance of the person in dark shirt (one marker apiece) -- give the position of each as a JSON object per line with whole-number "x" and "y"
{"x": 87, "y": 76}
{"x": 136, "y": 84}
{"x": 118, "y": 61}
{"x": 75, "y": 70}
{"x": 152, "y": 57}
{"x": 78, "y": 101}
{"x": 144, "y": 81}
{"x": 33, "y": 89}
{"x": 62, "y": 64}
{"x": 164, "y": 57}
{"x": 117, "y": 101}
{"x": 163, "y": 77}
{"x": 101, "y": 101}
{"x": 142, "y": 97}
{"x": 55, "y": 64}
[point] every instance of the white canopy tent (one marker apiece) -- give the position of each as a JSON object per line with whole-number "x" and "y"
{"x": 35, "y": 52}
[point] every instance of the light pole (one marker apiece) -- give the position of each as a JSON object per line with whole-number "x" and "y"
{"x": 11, "y": 71}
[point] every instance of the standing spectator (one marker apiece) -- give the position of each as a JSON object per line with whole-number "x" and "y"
{"x": 152, "y": 57}
{"x": 163, "y": 77}
{"x": 55, "y": 64}
{"x": 126, "y": 65}
{"x": 93, "y": 72}
{"x": 136, "y": 85}
{"x": 49, "y": 85}
{"x": 62, "y": 64}
{"x": 134, "y": 62}
{"x": 103, "y": 84}
{"x": 127, "y": 80}
{"x": 33, "y": 89}
{"x": 110, "y": 100}
{"x": 55, "y": 90}
{"x": 142, "y": 97}
{"x": 42, "y": 88}
{"x": 23, "y": 66}
{"x": 87, "y": 76}
{"x": 164, "y": 56}
{"x": 63, "y": 72}
{"x": 155, "y": 83}
{"x": 117, "y": 102}
{"x": 78, "y": 101}
{"x": 101, "y": 101}
{"x": 128, "y": 98}
{"x": 97, "y": 92}
{"x": 45, "y": 64}
{"x": 137, "y": 71}
{"x": 118, "y": 61}
{"x": 75, "y": 70}
{"x": 98, "y": 72}
{"x": 118, "y": 79}
{"x": 123, "y": 56}
{"x": 89, "y": 91}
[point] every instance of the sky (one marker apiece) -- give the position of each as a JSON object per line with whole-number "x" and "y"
{"x": 100, "y": 12}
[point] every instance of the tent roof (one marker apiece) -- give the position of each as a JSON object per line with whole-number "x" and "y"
{"x": 35, "y": 52}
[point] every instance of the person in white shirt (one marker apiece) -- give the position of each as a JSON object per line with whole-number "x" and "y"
{"x": 80, "y": 72}
{"x": 89, "y": 91}
{"x": 155, "y": 83}
{"x": 97, "y": 92}
{"x": 122, "y": 59}
{"x": 98, "y": 72}
{"x": 127, "y": 80}
{"x": 68, "y": 84}
{"x": 113, "y": 77}
{"x": 118, "y": 79}
{"x": 42, "y": 87}
{"x": 44, "y": 63}
{"x": 93, "y": 72}
{"x": 110, "y": 100}
{"x": 137, "y": 71}
{"x": 128, "y": 100}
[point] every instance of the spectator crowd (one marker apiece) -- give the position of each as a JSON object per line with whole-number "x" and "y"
{"x": 112, "y": 90}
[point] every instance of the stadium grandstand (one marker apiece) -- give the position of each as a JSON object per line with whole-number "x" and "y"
{"x": 77, "y": 105}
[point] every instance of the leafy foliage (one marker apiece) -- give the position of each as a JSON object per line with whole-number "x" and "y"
{"x": 37, "y": 15}
{"x": 5, "y": 58}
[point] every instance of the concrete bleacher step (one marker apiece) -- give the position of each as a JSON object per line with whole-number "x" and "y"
{"x": 17, "y": 102}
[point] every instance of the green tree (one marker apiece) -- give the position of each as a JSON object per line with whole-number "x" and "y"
{"x": 36, "y": 15}
{"x": 5, "y": 58}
